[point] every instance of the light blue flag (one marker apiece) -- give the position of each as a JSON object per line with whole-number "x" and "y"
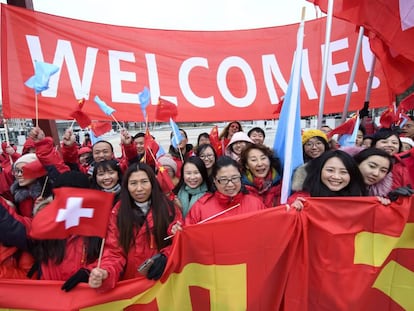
{"x": 160, "y": 152}
{"x": 40, "y": 81}
{"x": 94, "y": 139}
{"x": 104, "y": 107}
{"x": 349, "y": 140}
{"x": 177, "y": 136}
{"x": 288, "y": 143}
{"x": 144, "y": 100}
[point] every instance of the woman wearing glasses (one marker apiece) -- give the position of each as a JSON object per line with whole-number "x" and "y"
{"x": 229, "y": 199}
{"x": 208, "y": 155}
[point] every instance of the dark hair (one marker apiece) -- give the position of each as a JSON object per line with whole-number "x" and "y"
{"x": 306, "y": 158}
{"x": 73, "y": 179}
{"x": 369, "y": 152}
{"x": 201, "y": 168}
{"x": 105, "y": 166}
{"x": 182, "y": 132}
{"x": 362, "y": 129}
{"x": 137, "y": 135}
{"x": 274, "y": 161}
{"x": 130, "y": 219}
{"x": 258, "y": 130}
{"x": 225, "y": 131}
{"x": 103, "y": 141}
{"x": 224, "y": 161}
{"x": 314, "y": 185}
{"x": 55, "y": 249}
{"x": 384, "y": 133}
{"x": 201, "y": 148}
{"x": 202, "y": 135}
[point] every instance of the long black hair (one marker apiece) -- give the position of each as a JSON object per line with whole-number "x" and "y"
{"x": 131, "y": 218}
{"x": 55, "y": 250}
{"x": 313, "y": 182}
{"x": 201, "y": 168}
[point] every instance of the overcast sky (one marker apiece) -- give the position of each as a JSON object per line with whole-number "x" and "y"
{"x": 182, "y": 14}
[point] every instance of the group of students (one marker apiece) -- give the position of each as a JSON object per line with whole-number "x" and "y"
{"x": 208, "y": 181}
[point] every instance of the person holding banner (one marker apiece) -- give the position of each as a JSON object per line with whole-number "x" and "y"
{"x": 193, "y": 184}
{"x": 137, "y": 229}
{"x": 231, "y": 197}
{"x": 69, "y": 259}
{"x": 335, "y": 173}
{"x": 388, "y": 140}
{"x": 375, "y": 166}
{"x": 261, "y": 173}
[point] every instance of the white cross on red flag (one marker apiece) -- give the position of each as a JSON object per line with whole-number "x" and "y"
{"x": 73, "y": 211}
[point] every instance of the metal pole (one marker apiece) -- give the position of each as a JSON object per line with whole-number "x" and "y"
{"x": 325, "y": 62}
{"x": 353, "y": 72}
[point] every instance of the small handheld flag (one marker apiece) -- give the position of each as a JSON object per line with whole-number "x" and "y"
{"x": 144, "y": 100}
{"x": 103, "y": 106}
{"x": 40, "y": 81}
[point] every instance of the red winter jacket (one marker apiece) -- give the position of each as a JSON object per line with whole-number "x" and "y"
{"x": 121, "y": 266}
{"x": 212, "y": 204}
{"x": 75, "y": 258}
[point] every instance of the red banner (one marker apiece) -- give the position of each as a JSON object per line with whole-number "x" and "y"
{"x": 347, "y": 254}
{"x": 209, "y": 75}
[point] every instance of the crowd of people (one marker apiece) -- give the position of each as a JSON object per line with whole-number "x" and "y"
{"x": 156, "y": 196}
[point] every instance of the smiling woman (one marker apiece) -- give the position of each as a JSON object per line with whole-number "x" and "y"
{"x": 335, "y": 173}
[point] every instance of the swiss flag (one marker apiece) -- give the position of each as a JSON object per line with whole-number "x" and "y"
{"x": 390, "y": 27}
{"x": 73, "y": 211}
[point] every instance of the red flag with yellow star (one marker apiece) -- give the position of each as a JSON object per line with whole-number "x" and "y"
{"x": 215, "y": 141}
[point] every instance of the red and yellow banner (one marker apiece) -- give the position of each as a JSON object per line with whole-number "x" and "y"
{"x": 210, "y": 75}
{"x": 347, "y": 254}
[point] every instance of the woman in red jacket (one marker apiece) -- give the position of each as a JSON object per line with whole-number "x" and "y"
{"x": 137, "y": 227}
{"x": 261, "y": 173}
{"x": 229, "y": 199}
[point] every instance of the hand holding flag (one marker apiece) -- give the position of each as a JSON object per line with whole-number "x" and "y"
{"x": 73, "y": 211}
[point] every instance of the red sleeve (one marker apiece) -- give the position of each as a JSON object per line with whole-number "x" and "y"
{"x": 49, "y": 156}
{"x": 114, "y": 257}
{"x": 130, "y": 151}
{"x": 69, "y": 153}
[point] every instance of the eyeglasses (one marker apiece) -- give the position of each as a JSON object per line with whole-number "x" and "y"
{"x": 225, "y": 181}
{"x": 17, "y": 171}
{"x": 206, "y": 156}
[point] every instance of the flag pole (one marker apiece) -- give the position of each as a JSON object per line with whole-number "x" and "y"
{"x": 370, "y": 79}
{"x": 6, "y": 132}
{"x": 353, "y": 72}
{"x": 100, "y": 253}
{"x": 37, "y": 110}
{"x": 325, "y": 62}
{"x": 44, "y": 187}
{"x": 209, "y": 218}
